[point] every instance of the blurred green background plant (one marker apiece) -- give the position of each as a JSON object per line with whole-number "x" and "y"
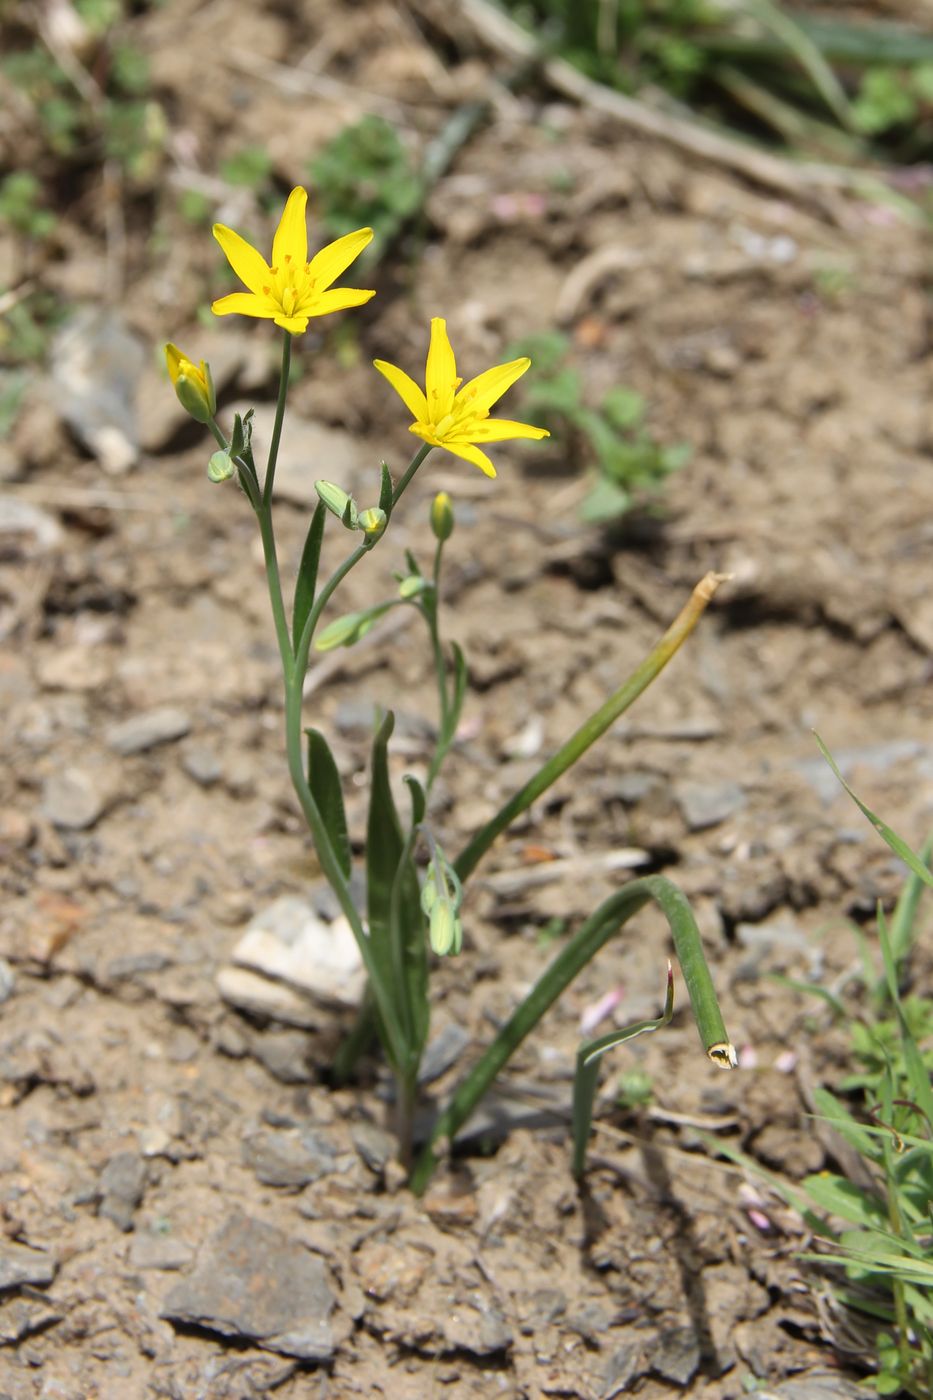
{"x": 627, "y": 465}
{"x": 844, "y": 87}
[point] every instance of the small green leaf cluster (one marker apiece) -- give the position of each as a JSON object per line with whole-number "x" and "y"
{"x": 879, "y": 1228}
{"x": 628, "y": 466}
{"x": 104, "y": 108}
{"x": 365, "y": 177}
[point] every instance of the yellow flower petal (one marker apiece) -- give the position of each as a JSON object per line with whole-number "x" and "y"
{"x": 440, "y": 372}
{"x": 338, "y": 299}
{"x": 244, "y": 304}
{"x": 249, "y": 266}
{"x": 500, "y": 430}
{"x": 471, "y": 454}
{"x": 297, "y": 325}
{"x": 173, "y": 358}
{"x": 291, "y": 236}
{"x": 406, "y": 388}
{"x": 479, "y": 395}
{"x": 326, "y": 266}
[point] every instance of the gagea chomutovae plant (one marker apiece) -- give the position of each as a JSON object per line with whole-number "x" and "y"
{"x": 414, "y": 907}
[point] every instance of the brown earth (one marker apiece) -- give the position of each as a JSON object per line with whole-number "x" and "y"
{"x": 788, "y": 341}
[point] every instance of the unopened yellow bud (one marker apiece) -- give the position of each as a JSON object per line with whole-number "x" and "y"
{"x": 442, "y": 516}
{"x": 373, "y": 523}
{"x": 193, "y": 384}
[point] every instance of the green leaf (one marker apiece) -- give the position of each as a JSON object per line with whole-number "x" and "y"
{"x": 838, "y": 1196}
{"x": 624, "y": 408}
{"x": 324, "y": 782}
{"x": 386, "y": 489}
{"x": 384, "y": 846}
{"x": 461, "y": 677}
{"x": 898, "y": 846}
{"x": 903, "y": 920}
{"x": 346, "y": 631}
{"x": 587, "y": 1073}
{"x": 306, "y": 582}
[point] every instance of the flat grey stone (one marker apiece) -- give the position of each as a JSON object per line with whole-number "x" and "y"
{"x": 252, "y": 1281}
{"x": 708, "y": 804}
{"x": 151, "y": 1251}
{"x": 7, "y": 981}
{"x": 19, "y": 1265}
{"x": 122, "y": 1183}
{"x": 284, "y": 1054}
{"x": 374, "y": 1145}
{"x": 202, "y": 764}
{"x": 146, "y": 731}
{"x": 621, "y": 1369}
{"x": 443, "y": 1052}
{"x": 22, "y": 1317}
{"x": 71, "y": 799}
{"x": 96, "y": 362}
{"x": 288, "y": 1158}
{"x": 675, "y": 1354}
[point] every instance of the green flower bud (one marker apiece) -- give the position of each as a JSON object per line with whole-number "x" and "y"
{"x": 445, "y": 930}
{"x": 338, "y": 503}
{"x": 373, "y": 523}
{"x": 194, "y": 386}
{"x": 442, "y": 516}
{"x": 428, "y": 893}
{"x": 411, "y": 586}
{"x": 220, "y": 467}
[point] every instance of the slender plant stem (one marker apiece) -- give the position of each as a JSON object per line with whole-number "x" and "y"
{"x": 303, "y": 647}
{"x": 279, "y": 616}
{"x": 592, "y": 728}
{"x": 279, "y": 417}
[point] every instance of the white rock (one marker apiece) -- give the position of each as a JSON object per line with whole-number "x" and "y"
{"x": 290, "y": 943}
{"x": 260, "y": 996}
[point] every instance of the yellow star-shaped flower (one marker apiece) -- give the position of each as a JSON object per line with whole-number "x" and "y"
{"x": 293, "y": 289}
{"x": 448, "y": 416}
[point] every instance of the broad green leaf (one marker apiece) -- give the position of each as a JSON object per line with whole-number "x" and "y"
{"x": 896, "y": 843}
{"x": 306, "y": 582}
{"x": 324, "y": 782}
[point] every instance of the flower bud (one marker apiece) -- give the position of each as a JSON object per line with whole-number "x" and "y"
{"x": 445, "y": 930}
{"x": 373, "y": 523}
{"x": 428, "y": 893}
{"x": 410, "y": 586}
{"x": 220, "y": 467}
{"x": 442, "y": 516}
{"x": 338, "y": 502}
{"x": 193, "y": 384}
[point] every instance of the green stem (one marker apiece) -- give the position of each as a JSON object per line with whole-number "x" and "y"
{"x": 592, "y": 728}
{"x": 303, "y": 647}
{"x": 585, "y": 944}
{"x": 279, "y": 417}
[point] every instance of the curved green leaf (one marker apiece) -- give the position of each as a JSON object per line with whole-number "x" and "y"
{"x": 324, "y": 782}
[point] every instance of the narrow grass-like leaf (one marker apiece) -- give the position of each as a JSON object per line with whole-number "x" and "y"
{"x": 917, "y": 1075}
{"x": 809, "y": 989}
{"x": 897, "y": 844}
{"x": 587, "y": 1073}
{"x": 407, "y": 934}
{"x": 306, "y": 581}
{"x": 807, "y": 54}
{"x": 324, "y": 782}
{"x": 904, "y": 917}
{"x": 855, "y": 1134}
{"x": 384, "y": 846}
{"x": 585, "y": 944}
